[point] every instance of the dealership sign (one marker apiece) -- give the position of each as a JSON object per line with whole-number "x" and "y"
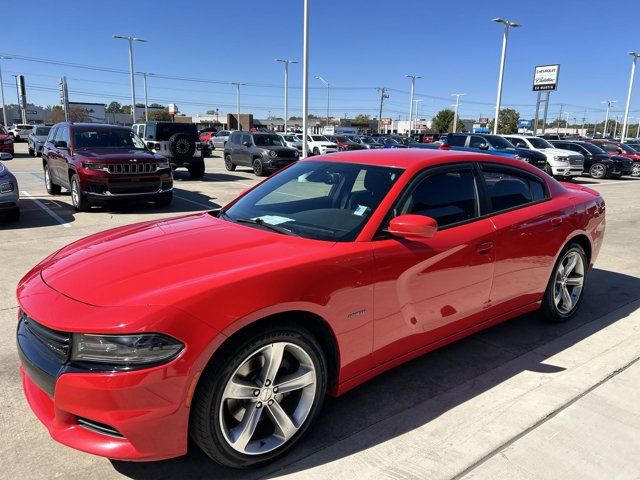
{"x": 173, "y": 109}
{"x": 545, "y": 77}
{"x": 385, "y": 121}
{"x": 524, "y": 123}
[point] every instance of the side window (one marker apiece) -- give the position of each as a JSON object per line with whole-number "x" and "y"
{"x": 58, "y": 136}
{"x": 456, "y": 140}
{"x": 518, "y": 142}
{"x": 64, "y": 135}
{"x": 446, "y": 197}
{"x": 609, "y": 147}
{"x": 246, "y": 138}
{"x": 232, "y": 139}
{"x": 508, "y": 189}
{"x": 52, "y": 134}
{"x": 476, "y": 141}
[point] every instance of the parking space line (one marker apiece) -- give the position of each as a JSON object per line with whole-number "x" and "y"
{"x": 51, "y": 213}
{"x": 208, "y": 207}
{"x": 37, "y": 175}
{"x": 616, "y": 182}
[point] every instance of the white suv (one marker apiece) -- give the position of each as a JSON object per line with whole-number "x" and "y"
{"x": 318, "y": 144}
{"x": 562, "y": 163}
{"x": 20, "y": 131}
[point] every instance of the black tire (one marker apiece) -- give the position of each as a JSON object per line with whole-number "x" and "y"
{"x": 228, "y": 164}
{"x": 548, "y": 307}
{"x": 181, "y": 146}
{"x": 635, "y": 171}
{"x": 213, "y": 147}
{"x": 196, "y": 170}
{"x": 598, "y": 171}
{"x": 78, "y": 199}
{"x": 258, "y": 167}
{"x": 205, "y": 427}
{"x": 163, "y": 200}
{"x": 32, "y": 152}
{"x": 316, "y": 151}
{"x": 52, "y": 188}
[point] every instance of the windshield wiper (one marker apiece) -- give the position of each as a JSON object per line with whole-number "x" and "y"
{"x": 258, "y": 221}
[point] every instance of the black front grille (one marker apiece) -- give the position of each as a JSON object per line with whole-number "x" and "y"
{"x": 132, "y": 168}
{"x": 124, "y": 186}
{"x": 58, "y": 343}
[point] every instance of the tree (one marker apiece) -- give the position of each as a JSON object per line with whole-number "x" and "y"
{"x": 443, "y": 122}
{"x": 53, "y": 114}
{"x": 78, "y": 115}
{"x": 508, "y": 121}
{"x": 157, "y": 105}
{"x": 159, "y": 115}
{"x": 126, "y": 109}
{"x": 113, "y": 107}
{"x": 362, "y": 118}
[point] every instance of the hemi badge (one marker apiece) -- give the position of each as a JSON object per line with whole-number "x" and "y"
{"x": 356, "y": 313}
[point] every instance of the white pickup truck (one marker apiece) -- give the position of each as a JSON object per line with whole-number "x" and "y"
{"x": 562, "y": 163}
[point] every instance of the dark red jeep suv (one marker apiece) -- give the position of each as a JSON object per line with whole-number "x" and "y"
{"x": 99, "y": 163}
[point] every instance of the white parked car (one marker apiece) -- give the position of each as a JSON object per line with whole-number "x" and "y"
{"x": 20, "y": 131}
{"x": 562, "y": 163}
{"x": 318, "y": 144}
{"x": 219, "y": 139}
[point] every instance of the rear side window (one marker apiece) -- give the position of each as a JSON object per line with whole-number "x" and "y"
{"x": 475, "y": 142}
{"x": 52, "y": 134}
{"x": 518, "y": 142}
{"x": 609, "y": 147}
{"x": 446, "y": 197}
{"x": 508, "y": 189}
{"x": 246, "y": 138}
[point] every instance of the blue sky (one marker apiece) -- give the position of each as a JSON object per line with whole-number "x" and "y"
{"x": 356, "y": 45}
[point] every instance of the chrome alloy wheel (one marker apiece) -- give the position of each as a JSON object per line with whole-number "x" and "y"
{"x": 569, "y": 281}
{"x": 75, "y": 194}
{"x": 268, "y": 398}
{"x": 598, "y": 170}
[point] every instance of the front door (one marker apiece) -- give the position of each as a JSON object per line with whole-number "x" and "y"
{"x": 429, "y": 289}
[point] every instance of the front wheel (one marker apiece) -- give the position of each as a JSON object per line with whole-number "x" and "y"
{"x": 164, "y": 199}
{"x": 566, "y": 286}
{"x": 598, "y": 171}
{"x": 78, "y": 199}
{"x": 635, "y": 171}
{"x": 228, "y": 164}
{"x": 258, "y": 168}
{"x": 256, "y": 401}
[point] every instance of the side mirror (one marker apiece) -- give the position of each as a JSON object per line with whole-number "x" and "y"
{"x": 60, "y": 144}
{"x": 416, "y": 226}
{"x": 620, "y": 151}
{"x": 5, "y": 156}
{"x": 483, "y": 146}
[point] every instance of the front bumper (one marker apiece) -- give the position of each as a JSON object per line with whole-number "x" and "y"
{"x": 100, "y": 185}
{"x": 7, "y": 148}
{"x": 145, "y": 412}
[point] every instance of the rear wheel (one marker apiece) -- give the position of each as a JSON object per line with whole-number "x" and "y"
{"x": 52, "y": 188}
{"x": 196, "y": 170}
{"x": 78, "y": 199}
{"x": 598, "y": 170}
{"x": 566, "y": 286}
{"x": 257, "y": 401}
{"x": 228, "y": 164}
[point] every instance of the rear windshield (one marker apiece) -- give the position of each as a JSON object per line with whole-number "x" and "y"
{"x": 99, "y": 138}
{"x": 319, "y": 138}
{"x": 164, "y": 131}
{"x": 42, "y": 131}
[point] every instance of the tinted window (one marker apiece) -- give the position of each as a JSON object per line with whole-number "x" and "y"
{"x": 96, "y": 138}
{"x": 539, "y": 143}
{"x": 234, "y": 138}
{"x": 166, "y": 130}
{"x": 591, "y": 148}
{"x": 476, "y": 141}
{"x": 518, "y": 142}
{"x": 52, "y": 134}
{"x": 268, "y": 140}
{"x": 446, "y": 197}
{"x": 509, "y": 190}
{"x": 456, "y": 140}
{"x": 41, "y": 131}
{"x": 499, "y": 142}
{"x": 246, "y": 138}
{"x": 609, "y": 147}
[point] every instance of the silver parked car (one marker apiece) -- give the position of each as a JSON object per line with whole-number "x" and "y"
{"x": 36, "y": 139}
{"x": 291, "y": 140}
{"x": 219, "y": 139}
{"x": 9, "y": 192}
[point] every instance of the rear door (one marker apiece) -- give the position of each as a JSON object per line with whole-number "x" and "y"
{"x": 429, "y": 289}
{"x": 531, "y": 227}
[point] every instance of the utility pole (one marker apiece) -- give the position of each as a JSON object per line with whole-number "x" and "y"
{"x": 305, "y": 78}
{"x": 455, "y": 112}
{"x": 413, "y": 81}
{"x": 606, "y": 117}
{"x": 133, "y": 85}
{"x": 626, "y": 108}
{"x": 383, "y": 94}
{"x": 286, "y": 89}
{"x": 146, "y": 101}
{"x": 238, "y": 84}
{"x": 326, "y": 84}
{"x": 4, "y": 109}
{"x": 559, "y": 118}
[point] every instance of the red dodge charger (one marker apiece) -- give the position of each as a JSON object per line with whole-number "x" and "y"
{"x": 322, "y": 276}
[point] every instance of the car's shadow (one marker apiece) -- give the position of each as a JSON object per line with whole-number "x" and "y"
{"x": 184, "y": 176}
{"x": 422, "y": 379}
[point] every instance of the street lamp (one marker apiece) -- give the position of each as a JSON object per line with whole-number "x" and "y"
{"x": 507, "y": 24}
{"x": 626, "y": 109}
{"x": 417, "y": 101}
{"x": 326, "y": 84}
{"x": 238, "y": 84}
{"x": 567, "y": 121}
{"x": 133, "y": 86}
{"x": 305, "y": 77}
{"x": 606, "y": 117}
{"x": 455, "y": 112}
{"x": 286, "y": 89}
{"x": 413, "y": 82}
{"x": 146, "y": 101}
{"x": 4, "y": 110}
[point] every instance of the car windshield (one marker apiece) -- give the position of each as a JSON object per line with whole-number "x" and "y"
{"x": 539, "y": 142}
{"x": 166, "y": 130}
{"x": 319, "y": 200}
{"x": 290, "y": 138}
{"x": 94, "y": 138}
{"x": 269, "y": 140}
{"x": 42, "y": 131}
{"x": 499, "y": 142}
{"x": 319, "y": 138}
{"x": 368, "y": 139}
{"x": 391, "y": 140}
{"x": 593, "y": 148}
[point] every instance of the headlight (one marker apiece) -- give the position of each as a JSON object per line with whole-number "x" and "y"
{"x": 162, "y": 164}
{"x": 95, "y": 166}
{"x": 272, "y": 153}
{"x": 295, "y": 153}
{"x": 124, "y": 350}
{"x": 562, "y": 159}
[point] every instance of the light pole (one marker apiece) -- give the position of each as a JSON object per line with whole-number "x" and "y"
{"x": 146, "y": 101}
{"x": 413, "y": 82}
{"x": 567, "y": 121}
{"x": 626, "y": 109}
{"x": 305, "y": 78}
{"x": 606, "y": 117}
{"x": 455, "y": 112}
{"x": 417, "y": 101}
{"x": 507, "y": 24}
{"x": 326, "y": 84}
{"x": 133, "y": 85}
{"x": 4, "y": 110}
{"x": 286, "y": 89}
{"x": 238, "y": 84}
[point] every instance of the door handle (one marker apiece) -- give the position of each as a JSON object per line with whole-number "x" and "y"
{"x": 556, "y": 222}
{"x": 485, "y": 247}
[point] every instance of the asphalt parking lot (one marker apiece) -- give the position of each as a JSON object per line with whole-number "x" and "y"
{"x": 522, "y": 400}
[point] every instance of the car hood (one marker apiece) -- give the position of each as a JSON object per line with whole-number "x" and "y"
{"x": 39, "y": 138}
{"x": 558, "y": 151}
{"x": 326, "y": 144}
{"x": 117, "y": 155}
{"x": 160, "y": 261}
